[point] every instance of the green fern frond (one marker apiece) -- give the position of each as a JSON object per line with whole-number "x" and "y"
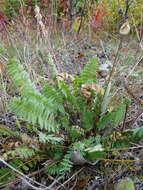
{"x": 85, "y": 143}
{"x": 64, "y": 166}
{"x": 66, "y": 163}
{"x": 32, "y": 105}
{"x": 48, "y": 59}
{"x": 54, "y": 96}
{"x": 89, "y": 74}
{"x": 23, "y": 152}
{"x": 35, "y": 113}
{"x": 49, "y": 138}
{"x": 106, "y": 99}
{"x": 5, "y": 175}
{"x": 20, "y": 78}
{"x": 67, "y": 91}
{"x": 112, "y": 119}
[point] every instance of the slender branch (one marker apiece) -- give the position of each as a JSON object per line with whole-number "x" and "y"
{"x": 129, "y": 91}
{"x": 125, "y": 117}
{"x": 126, "y": 149}
{"x": 115, "y": 60}
{"x": 135, "y": 65}
{"x": 118, "y": 160}
{"x": 67, "y": 181}
{"x": 133, "y": 120}
{"x": 127, "y": 8}
{"x": 82, "y": 17}
{"x": 26, "y": 178}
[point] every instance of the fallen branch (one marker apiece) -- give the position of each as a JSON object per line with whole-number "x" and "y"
{"x": 26, "y": 179}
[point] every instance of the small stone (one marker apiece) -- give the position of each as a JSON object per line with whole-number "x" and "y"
{"x": 77, "y": 158}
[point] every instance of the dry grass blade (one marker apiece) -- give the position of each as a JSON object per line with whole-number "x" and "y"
{"x": 106, "y": 100}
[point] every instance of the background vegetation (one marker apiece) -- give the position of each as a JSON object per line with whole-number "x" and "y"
{"x": 71, "y": 94}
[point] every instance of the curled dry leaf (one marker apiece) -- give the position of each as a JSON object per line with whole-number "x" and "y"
{"x": 11, "y": 146}
{"x": 125, "y": 28}
{"x": 31, "y": 142}
{"x": 2, "y": 67}
{"x": 64, "y": 77}
{"x": 26, "y": 139}
{"x": 87, "y": 90}
{"x": 81, "y": 55}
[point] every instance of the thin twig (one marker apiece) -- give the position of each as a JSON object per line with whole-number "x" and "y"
{"x": 102, "y": 45}
{"x": 56, "y": 181}
{"x": 133, "y": 120}
{"x": 125, "y": 149}
{"x": 47, "y": 188}
{"x": 129, "y": 91}
{"x": 137, "y": 32}
{"x": 73, "y": 185}
{"x": 127, "y": 8}
{"x": 118, "y": 160}
{"x": 32, "y": 186}
{"x": 67, "y": 181}
{"x": 135, "y": 65}
{"x": 20, "y": 173}
{"x": 115, "y": 60}
{"x": 82, "y": 17}
{"x": 30, "y": 175}
{"x": 26, "y": 178}
{"x": 125, "y": 117}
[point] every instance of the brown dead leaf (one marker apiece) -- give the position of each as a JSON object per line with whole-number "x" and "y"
{"x": 26, "y": 139}
{"x": 65, "y": 77}
{"x": 82, "y": 183}
{"x": 2, "y": 67}
{"x": 30, "y": 142}
{"x": 11, "y": 146}
{"x": 88, "y": 89}
{"x": 125, "y": 28}
{"x": 81, "y": 55}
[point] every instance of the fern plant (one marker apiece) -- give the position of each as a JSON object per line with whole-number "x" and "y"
{"x": 43, "y": 108}
{"x": 32, "y": 105}
{"x": 66, "y": 116}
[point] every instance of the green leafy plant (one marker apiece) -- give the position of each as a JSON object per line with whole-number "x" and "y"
{"x": 64, "y": 116}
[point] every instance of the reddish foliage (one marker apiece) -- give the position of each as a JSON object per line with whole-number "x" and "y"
{"x": 2, "y": 16}
{"x": 65, "y": 5}
{"x": 83, "y": 182}
{"x": 3, "y": 19}
{"x": 45, "y": 4}
{"x": 81, "y": 55}
{"x": 98, "y": 15}
{"x": 3, "y": 3}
